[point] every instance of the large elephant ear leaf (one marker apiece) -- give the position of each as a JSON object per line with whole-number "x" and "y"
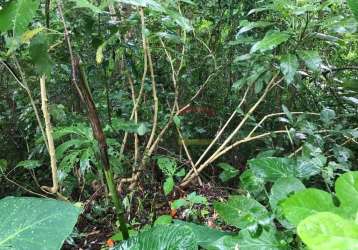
{"x": 35, "y": 224}
{"x": 353, "y": 4}
{"x": 243, "y": 212}
{"x": 162, "y": 237}
{"x": 347, "y": 191}
{"x": 328, "y": 231}
{"x": 305, "y": 203}
{"x": 16, "y": 15}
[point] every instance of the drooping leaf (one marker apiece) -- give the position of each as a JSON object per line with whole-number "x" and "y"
{"x": 35, "y": 224}
{"x": 39, "y": 55}
{"x": 289, "y": 66}
{"x": 16, "y": 15}
{"x": 305, "y": 203}
{"x": 326, "y": 230}
{"x": 28, "y": 35}
{"x": 247, "y": 26}
{"x": 272, "y": 168}
{"x": 243, "y": 212}
{"x": 162, "y": 237}
{"x": 29, "y": 164}
{"x": 282, "y": 188}
{"x": 168, "y": 185}
{"x": 312, "y": 59}
{"x": 271, "y": 40}
{"x": 99, "y": 53}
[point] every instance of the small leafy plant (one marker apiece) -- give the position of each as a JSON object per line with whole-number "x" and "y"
{"x": 170, "y": 169}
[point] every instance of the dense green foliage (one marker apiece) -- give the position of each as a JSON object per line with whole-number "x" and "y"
{"x": 179, "y": 124}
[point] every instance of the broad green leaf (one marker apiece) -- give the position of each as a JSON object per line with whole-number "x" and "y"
{"x": 289, "y": 66}
{"x": 163, "y": 220}
{"x": 282, "y": 188}
{"x": 271, "y": 40}
{"x": 39, "y": 56}
{"x": 267, "y": 240}
{"x": 228, "y": 172}
{"x": 305, "y": 203}
{"x": 35, "y": 224}
{"x": 195, "y": 198}
{"x": 327, "y": 115}
{"x": 179, "y": 203}
{"x": 167, "y": 165}
{"x": 353, "y": 4}
{"x": 328, "y": 231}
{"x": 272, "y": 168}
{"x": 86, "y": 4}
{"x": 224, "y": 243}
{"x": 204, "y": 235}
{"x": 162, "y": 237}
{"x": 307, "y": 167}
{"x": 243, "y": 212}
{"x": 168, "y": 185}
{"x": 312, "y": 59}
{"x": 29, "y": 164}
{"x": 250, "y": 182}
{"x": 347, "y": 190}
{"x": 16, "y": 15}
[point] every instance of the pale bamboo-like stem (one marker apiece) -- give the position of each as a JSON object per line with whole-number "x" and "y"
{"x": 258, "y": 125}
{"x": 174, "y": 74}
{"x": 222, "y": 129}
{"x": 145, "y": 70}
{"x": 271, "y": 84}
{"x": 49, "y": 133}
{"x": 186, "y": 182}
{"x": 136, "y": 139}
{"x": 219, "y": 134}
